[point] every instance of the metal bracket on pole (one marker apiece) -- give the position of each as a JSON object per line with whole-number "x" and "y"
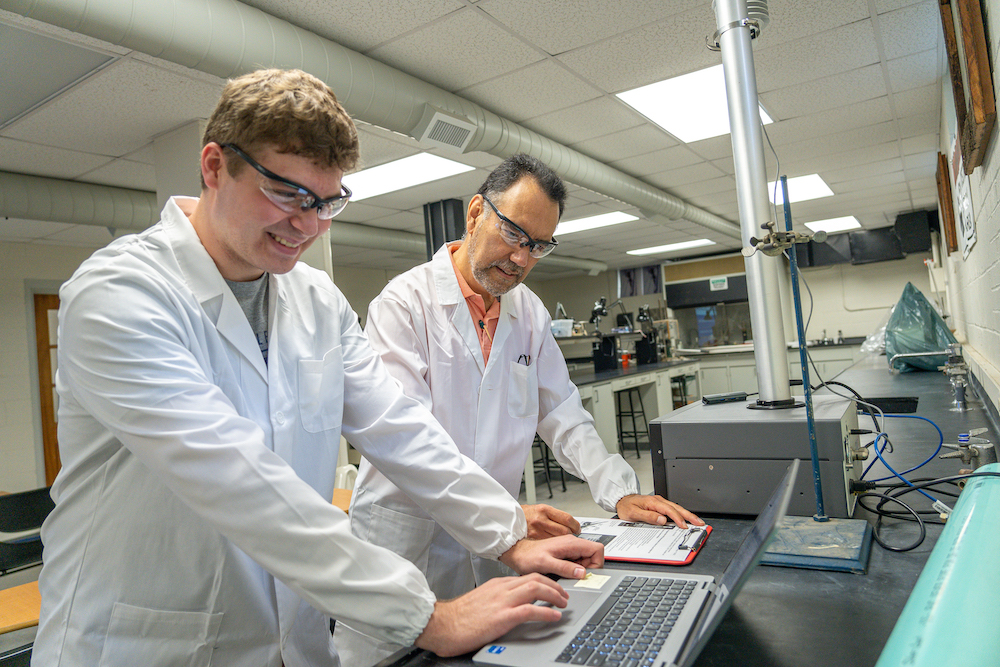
{"x": 713, "y": 42}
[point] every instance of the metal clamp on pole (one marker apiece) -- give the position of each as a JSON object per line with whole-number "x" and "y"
{"x": 713, "y": 42}
{"x": 775, "y": 242}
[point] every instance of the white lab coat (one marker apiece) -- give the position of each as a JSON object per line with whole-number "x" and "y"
{"x": 193, "y": 522}
{"x": 421, "y": 326}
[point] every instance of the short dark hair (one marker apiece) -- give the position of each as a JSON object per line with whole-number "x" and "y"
{"x": 517, "y": 167}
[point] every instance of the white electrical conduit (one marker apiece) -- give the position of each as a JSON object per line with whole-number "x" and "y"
{"x": 226, "y": 38}
{"x": 56, "y": 200}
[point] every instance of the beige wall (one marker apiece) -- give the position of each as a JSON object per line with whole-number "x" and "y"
{"x": 24, "y": 269}
{"x": 855, "y": 299}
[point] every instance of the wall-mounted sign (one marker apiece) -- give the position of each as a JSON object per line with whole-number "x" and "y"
{"x": 965, "y": 221}
{"x": 719, "y": 283}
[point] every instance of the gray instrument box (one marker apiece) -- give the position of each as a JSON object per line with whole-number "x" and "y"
{"x": 727, "y": 459}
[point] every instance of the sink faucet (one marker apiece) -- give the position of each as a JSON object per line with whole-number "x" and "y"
{"x": 955, "y": 368}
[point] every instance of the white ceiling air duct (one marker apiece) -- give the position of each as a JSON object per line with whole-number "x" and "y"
{"x": 56, "y": 200}
{"x": 362, "y": 236}
{"x": 226, "y": 39}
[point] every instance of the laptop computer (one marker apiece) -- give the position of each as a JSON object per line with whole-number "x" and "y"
{"x": 655, "y": 618}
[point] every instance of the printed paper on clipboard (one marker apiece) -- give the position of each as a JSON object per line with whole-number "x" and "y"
{"x": 644, "y": 543}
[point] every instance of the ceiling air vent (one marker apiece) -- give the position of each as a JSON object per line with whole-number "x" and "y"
{"x": 440, "y": 128}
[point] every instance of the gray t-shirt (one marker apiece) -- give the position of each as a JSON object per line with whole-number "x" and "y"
{"x": 252, "y": 297}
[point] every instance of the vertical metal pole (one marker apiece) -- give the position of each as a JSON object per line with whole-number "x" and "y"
{"x": 751, "y": 191}
{"x": 793, "y": 260}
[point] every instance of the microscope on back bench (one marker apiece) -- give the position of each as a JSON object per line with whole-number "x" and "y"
{"x": 605, "y": 351}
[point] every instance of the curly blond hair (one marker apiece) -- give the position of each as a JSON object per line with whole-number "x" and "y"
{"x": 289, "y": 110}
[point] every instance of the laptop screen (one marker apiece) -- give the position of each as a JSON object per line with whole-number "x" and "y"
{"x": 749, "y": 553}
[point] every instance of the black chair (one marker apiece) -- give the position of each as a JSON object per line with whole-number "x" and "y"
{"x": 637, "y": 429}
{"x": 21, "y": 512}
{"x": 19, "y": 656}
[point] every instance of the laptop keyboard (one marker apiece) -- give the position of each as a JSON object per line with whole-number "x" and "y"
{"x": 631, "y": 626}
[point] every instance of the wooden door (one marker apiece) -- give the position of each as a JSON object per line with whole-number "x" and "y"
{"x": 46, "y": 310}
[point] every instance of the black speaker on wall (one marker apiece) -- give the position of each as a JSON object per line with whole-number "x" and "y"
{"x": 914, "y": 230}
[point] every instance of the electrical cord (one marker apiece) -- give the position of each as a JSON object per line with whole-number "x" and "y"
{"x": 929, "y": 459}
{"x": 876, "y": 529}
{"x": 777, "y": 174}
{"x": 909, "y": 511}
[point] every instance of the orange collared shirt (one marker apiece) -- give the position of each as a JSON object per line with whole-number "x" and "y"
{"x": 485, "y": 320}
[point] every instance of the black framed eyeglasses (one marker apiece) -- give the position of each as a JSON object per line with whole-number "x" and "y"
{"x": 518, "y": 238}
{"x": 299, "y": 198}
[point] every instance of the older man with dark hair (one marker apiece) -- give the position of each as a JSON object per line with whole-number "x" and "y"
{"x": 465, "y": 338}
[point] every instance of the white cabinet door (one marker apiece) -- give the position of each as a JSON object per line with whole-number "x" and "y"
{"x": 743, "y": 378}
{"x": 714, "y": 380}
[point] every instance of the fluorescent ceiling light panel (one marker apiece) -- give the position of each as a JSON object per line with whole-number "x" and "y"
{"x": 834, "y": 225}
{"x": 800, "y": 188}
{"x": 660, "y": 249}
{"x": 400, "y": 174}
{"x": 593, "y": 222}
{"x": 691, "y": 107}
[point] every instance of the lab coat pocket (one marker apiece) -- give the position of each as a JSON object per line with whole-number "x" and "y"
{"x": 157, "y": 637}
{"x": 321, "y": 391}
{"x": 407, "y": 535}
{"x": 522, "y": 392}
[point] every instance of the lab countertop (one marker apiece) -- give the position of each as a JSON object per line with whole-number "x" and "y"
{"x": 748, "y": 347}
{"x": 584, "y": 376}
{"x": 789, "y": 616}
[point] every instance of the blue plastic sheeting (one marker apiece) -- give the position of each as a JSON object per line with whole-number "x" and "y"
{"x": 952, "y": 614}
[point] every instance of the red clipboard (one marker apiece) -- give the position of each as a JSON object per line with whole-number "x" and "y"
{"x": 635, "y": 542}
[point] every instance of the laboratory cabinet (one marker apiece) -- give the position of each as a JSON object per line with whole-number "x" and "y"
{"x": 724, "y": 372}
{"x": 660, "y": 385}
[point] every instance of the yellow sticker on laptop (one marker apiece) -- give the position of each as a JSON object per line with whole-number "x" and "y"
{"x": 591, "y": 580}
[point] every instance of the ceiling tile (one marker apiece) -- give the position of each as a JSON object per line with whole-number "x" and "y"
{"x": 674, "y": 177}
{"x": 883, "y": 6}
{"x": 89, "y": 117}
{"x": 430, "y": 53}
{"x": 713, "y": 186}
{"x": 23, "y": 157}
{"x": 869, "y": 182}
{"x": 924, "y": 101}
{"x": 864, "y": 170}
{"x": 88, "y": 236}
{"x": 830, "y": 121}
{"x": 920, "y": 144}
{"x": 517, "y": 95}
{"x": 341, "y": 21}
{"x": 379, "y": 147}
{"x": 675, "y": 45}
{"x": 828, "y": 93}
{"x": 910, "y": 29}
{"x": 17, "y": 229}
{"x": 713, "y": 148}
{"x": 912, "y": 126}
{"x": 795, "y": 19}
{"x": 37, "y": 67}
{"x": 657, "y": 161}
{"x": 123, "y": 174}
{"x": 915, "y": 71}
{"x": 844, "y": 48}
{"x": 595, "y": 118}
{"x": 627, "y": 143}
{"x": 580, "y": 22}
